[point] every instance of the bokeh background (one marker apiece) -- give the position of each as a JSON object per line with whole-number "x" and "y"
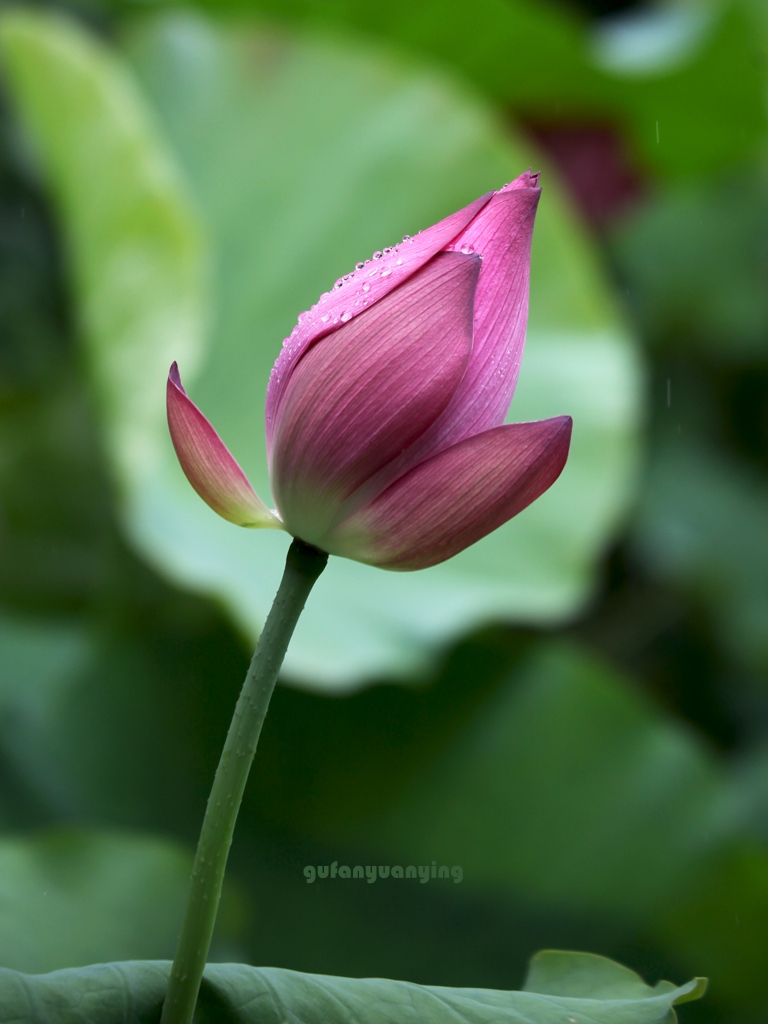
{"x": 576, "y": 710}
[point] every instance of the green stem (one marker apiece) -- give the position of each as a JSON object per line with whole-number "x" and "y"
{"x": 302, "y": 568}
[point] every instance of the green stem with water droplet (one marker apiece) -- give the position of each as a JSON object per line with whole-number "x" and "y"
{"x": 302, "y": 568}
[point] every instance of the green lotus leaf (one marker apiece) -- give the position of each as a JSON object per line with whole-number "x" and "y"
{"x": 303, "y": 155}
{"x": 562, "y": 987}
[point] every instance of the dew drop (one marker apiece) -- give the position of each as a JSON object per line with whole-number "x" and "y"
{"x": 366, "y": 286}
{"x": 374, "y": 272}
{"x": 339, "y": 284}
{"x": 407, "y": 238}
{"x": 325, "y": 319}
{"x": 398, "y": 263}
{"x": 387, "y": 251}
{"x": 467, "y": 249}
{"x": 377, "y": 255}
{"x": 386, "y": 271}
{"x": 359, "y": 266}
{"x": 346, "y": 315}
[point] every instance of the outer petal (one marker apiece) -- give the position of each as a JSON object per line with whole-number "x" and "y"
{"x": 369, "y": 390}
{"x": 501, "y": 232}
{"x": 357, "y": 291}
{"x": 208, "y": 465}
{"x": 458, "y": 496}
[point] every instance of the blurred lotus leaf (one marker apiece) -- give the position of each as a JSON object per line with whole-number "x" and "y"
{"x": 303, "y": 156}
{"x": 551, "y": 781}
{"x": 102, "y": 723}
{"x": 72, "y": 897}
{"x": 682, "y": 82}
{"x": 702, "y": 527}
{"x": 694, "y": 261}
{"x": 563, "y": 785}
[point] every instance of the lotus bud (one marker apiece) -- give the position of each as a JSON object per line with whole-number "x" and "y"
{"x": 385, "y": 411}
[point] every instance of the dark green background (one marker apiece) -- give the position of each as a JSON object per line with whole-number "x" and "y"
{"x": 605, "y": 785}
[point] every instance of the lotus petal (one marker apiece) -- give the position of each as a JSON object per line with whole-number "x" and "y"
{"x": 457, "y": 497}
{"x": 361, "y": 395}
{"x": 366, "y": 286}
{"x": 208, "y": 464}
{"x": 501, "y": 233}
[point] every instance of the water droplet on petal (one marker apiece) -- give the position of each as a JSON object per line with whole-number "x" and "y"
{"x": 346, "y": 315}
{"x": 325, "y": 318}
{"x": 366, "y": 286}
{"x": 407, "y": 238}
{"x": 387, "y": 251}
{"x": 339, "y": 284}
{"x": 377, "y": 255}
{"x": 467, "y": 249}
{"x": 359, "y": 266}
{"x": 398, "y": 262}
{"x": 374, "y": 272}
{"x": 386, "y": 271}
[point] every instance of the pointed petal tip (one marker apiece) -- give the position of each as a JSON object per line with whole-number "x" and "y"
{"x": 563, "y": 431}
{"x": 528, "y": 180}
{"x": 208, "y": 465}
{"x": 564, "y": 423}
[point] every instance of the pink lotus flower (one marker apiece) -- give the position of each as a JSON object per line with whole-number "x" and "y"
{"x": 385, "y": 409}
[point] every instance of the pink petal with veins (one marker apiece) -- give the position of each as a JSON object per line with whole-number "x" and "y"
{"x": 369, "y": 390}
{"x": 357, "y": 292}
{"x": 501, "y": 233}
{"x": 208, "y": 465}
{"x": 457, "y": 497}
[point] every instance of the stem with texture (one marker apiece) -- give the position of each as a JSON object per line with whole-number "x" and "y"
{"x": 302, "y": 568}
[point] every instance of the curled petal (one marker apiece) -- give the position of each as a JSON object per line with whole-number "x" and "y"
{"x": 364, "y": 393}
{"x": 458, "y": 496}
{"x": 501, "y": 232}
{"x": 366, "y": 285}
{"x": 208, "y": 465}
